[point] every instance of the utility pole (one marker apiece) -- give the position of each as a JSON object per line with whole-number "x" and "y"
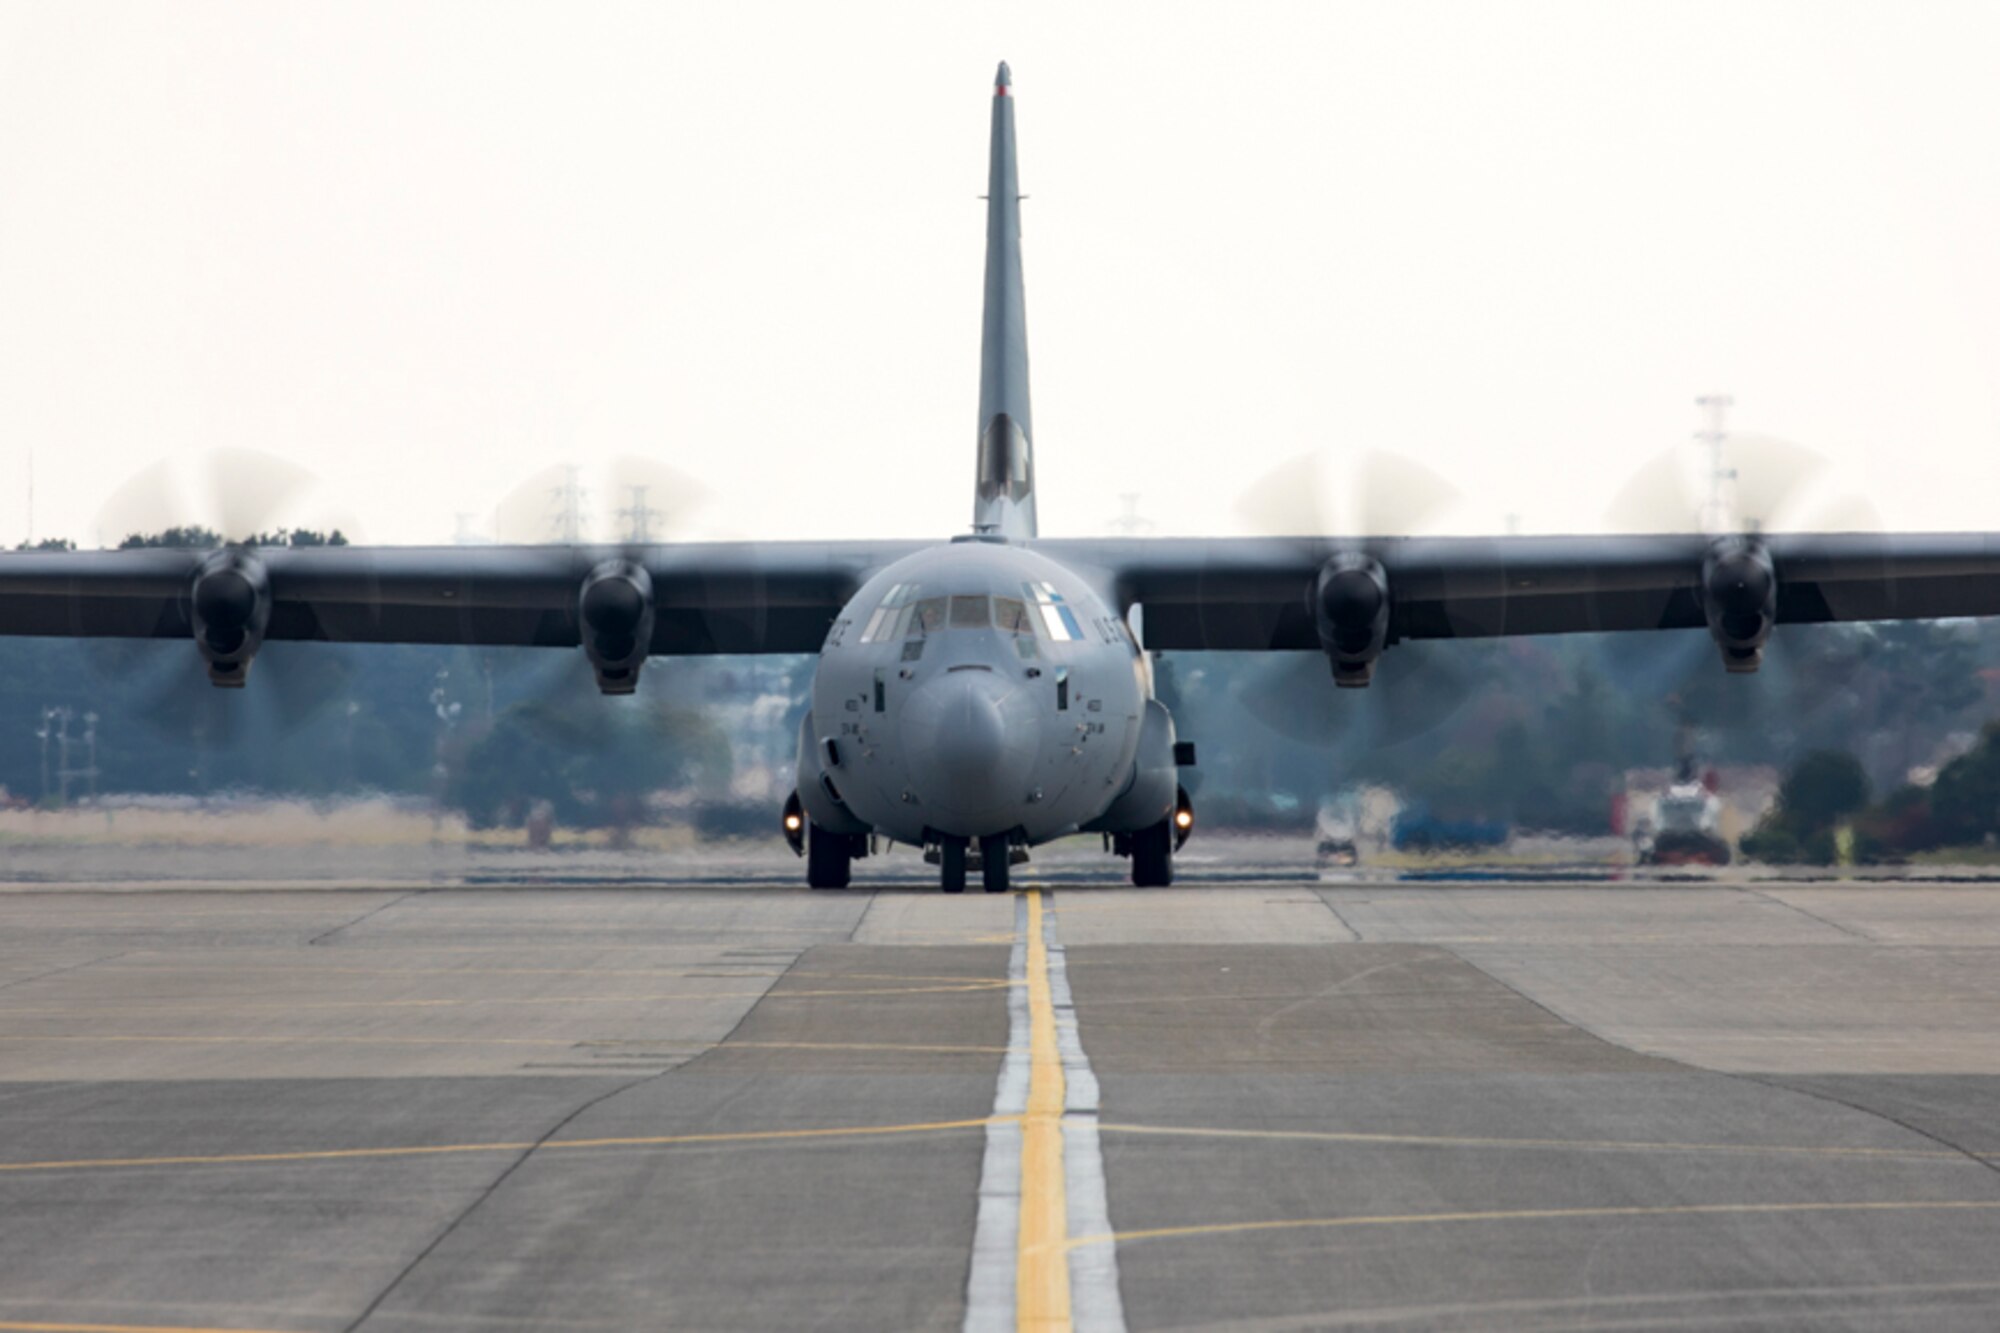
{"x": 447, "y": 711}
{"x": 42, "y": 734}
{"x": 90, "y": 753}
{"x": 62, "y": 754}
{"x": 1715, "y": 516}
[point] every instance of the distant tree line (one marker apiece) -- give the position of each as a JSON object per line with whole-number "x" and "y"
{"x": 490, "y": 731}
{"x": 1825, "y": 802}
{"x": 1539, "y": 731}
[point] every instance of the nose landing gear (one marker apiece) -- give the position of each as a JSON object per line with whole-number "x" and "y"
{"x": 993, "y": 862}
{"x": 996, "y": 854}
{"x": 951, "y": 864}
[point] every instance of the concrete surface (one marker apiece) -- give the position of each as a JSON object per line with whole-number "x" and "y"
{"x": 741, "y": 1105}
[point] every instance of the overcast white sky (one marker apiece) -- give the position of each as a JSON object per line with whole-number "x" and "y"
{"x": 427, "y": 249}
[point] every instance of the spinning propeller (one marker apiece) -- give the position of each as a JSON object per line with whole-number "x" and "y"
{"x": 1309, "y": 499}
{"x": 207, "y": 502}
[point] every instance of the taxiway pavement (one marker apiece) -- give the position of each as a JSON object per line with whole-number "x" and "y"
{"x": 1313, "y": 1105}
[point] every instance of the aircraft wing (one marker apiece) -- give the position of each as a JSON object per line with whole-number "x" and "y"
{"x": 725, "y": 597}
{"x": 1272, "y": 593}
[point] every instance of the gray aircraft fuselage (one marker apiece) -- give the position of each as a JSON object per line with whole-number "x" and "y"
{"x": 981, "y": 689}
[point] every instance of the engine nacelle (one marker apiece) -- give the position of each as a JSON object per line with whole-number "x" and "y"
{"x": 615, "y": 609}
{"x": 230, "y": 605}
{"x": 1739, "y": 597}
{"x": 1350, "y": 608}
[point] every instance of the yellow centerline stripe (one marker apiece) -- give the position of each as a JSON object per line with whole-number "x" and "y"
{"x": 1533, "y": 1215}
{"x": 1041, "y": 1273}
{"x": 443, "y": 1149}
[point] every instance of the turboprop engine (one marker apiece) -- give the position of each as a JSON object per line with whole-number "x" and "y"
{"x": 230, "y": 605}
{"x": 615, "y": 609}
{"x": 1739, "y": 598}
{"x": 1350, "y": 607}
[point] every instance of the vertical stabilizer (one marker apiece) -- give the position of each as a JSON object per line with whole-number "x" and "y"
{"x": 1005, "y": 500}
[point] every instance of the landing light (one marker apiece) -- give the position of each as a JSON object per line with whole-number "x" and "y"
{"x": 1184, "y": 818}
{"x": 794, "y": 822}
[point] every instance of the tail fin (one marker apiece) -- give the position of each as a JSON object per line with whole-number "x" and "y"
{"x": 1005, "y": 500}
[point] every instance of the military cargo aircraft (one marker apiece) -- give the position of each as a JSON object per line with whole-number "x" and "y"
{"x": 982, "y": 695}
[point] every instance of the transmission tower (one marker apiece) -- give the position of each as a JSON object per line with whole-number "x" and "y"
{"x": 1715, "y": 516}
{"x": 1129, "y": 521}
{"x": 566, "y": 517}
{"x": 638, "y": 516}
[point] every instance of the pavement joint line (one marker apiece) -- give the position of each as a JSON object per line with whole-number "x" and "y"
{"x": 551, "y": 1145}
{"x": 17, "y": 1011}
{"x": 1559, "y": 1145}
{"x": 567, "y": 1042}
{"x": 1536, "y": 1215}
{"x": 236, "y": 1040}
{"x": 312, "y": 969}
{"x": 660, "y": 1043}
{"x": 64, "y": 970}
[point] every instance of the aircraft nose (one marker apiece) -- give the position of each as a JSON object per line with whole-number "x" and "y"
{"x": 971, "y": 744}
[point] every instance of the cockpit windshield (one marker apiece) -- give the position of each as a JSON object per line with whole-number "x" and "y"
{"x": 905, "y": 613}
{"x": 1011, "y": 614}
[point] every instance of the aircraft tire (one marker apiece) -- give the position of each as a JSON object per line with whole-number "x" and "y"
{"x": 951, "y": 865}
{"x": 829, "y": 859}
{"x": 1153, "y": 856}
{"x": 993, "y": 862}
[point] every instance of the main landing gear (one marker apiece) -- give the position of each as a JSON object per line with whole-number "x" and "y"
{"x": 1152, "y": 848}
{"x": 829, "y": 858}
{"x": 1153, "y": 856}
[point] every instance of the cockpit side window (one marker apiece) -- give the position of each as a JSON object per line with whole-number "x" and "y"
{"x": 971, "y": 612}
{"x": 1057, "y": 617}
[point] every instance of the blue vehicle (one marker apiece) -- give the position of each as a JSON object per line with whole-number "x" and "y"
{"x": 1417, "y": 829}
